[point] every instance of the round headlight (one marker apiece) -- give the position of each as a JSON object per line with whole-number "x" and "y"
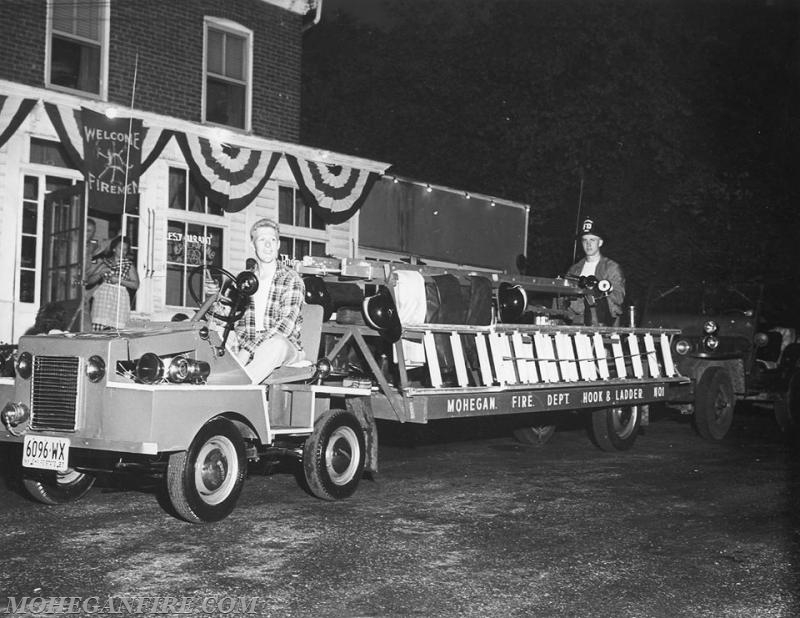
{"x": 95, "y": 368}
{"x": 761, "y": 340}
{"x": 24, "y": 365}
{"x": 198, "y": 371}
{"x": 324, "y": 368}
{"x": 710, "y": 327}
{"x": 683, "y": 347}
{"x": 178, "y": 370}
{"x": 711, "y": 342}
{"x": 604, "y": 286}
{"x": 149, "y": 368}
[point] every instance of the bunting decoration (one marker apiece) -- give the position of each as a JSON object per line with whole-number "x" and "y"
{"x": 13, "y": 110}
{"x": 229, "y": 176}
{"x": 334, "y": 192}
{"x": 68, "y": 124}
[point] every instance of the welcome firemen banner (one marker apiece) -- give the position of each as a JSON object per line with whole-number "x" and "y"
{"x": 334, "y": 192}
{"x": 13, "y": 110}
{"x": 229, "y": 176}
{"x": 112, "y": 149}
{"x": 97, "y": 146}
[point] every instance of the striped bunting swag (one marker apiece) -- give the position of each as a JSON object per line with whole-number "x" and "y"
{"x": 13, "y": 110}
{"x": 334, "y": 192}
{"x": 229, "y": 176}
{"x": 68, "y": 124}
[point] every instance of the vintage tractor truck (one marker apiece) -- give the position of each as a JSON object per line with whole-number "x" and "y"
{"x": 383, "y": 340}
{"x": 730, "y": 353}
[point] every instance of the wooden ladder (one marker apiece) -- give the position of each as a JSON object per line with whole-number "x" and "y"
{"x": 526, "y": 354}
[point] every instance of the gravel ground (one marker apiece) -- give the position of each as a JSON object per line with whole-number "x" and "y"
{"x": 461, "y": 521}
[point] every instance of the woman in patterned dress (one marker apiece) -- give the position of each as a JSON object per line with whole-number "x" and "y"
{"x": 111, "y": 306}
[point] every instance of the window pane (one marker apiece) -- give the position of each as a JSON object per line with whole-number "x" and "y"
{"x": 301, "y": 248}
{"x": 225, "y": 103}
{"x": 31, "y": 190}
{"x": 214, "y": 208}
{"x": 75, "y": 65}
{"x": 214, "y": 52}
{"x": 234, "y": 57}
{"x": 27, "y": 282}
{"x": 28, "y": 218}
{"x": 214, "y": 248}
{"x": 316, "y": 221}
{"x": 48, "y": 153}
{"x": 175, "y": 232}
{"x": 285, "y": 205}
{"x": 175, "y": 285}
{"x": 177, "y": 188}
{"x": 64, "y": 16}
{"x": 196, "y": 199}
{"x": 300, "y": 212}
{"x": 318, "y": 249}
{"x": 87, "y": 22}
{"x": 286, "y": 246}
{"x": 28, "y": 252}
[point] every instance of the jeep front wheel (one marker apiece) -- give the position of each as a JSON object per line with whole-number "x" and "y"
{"x": 714, "y": 404}
{"x": 204, "y": 482}
{"x": 615, "y": 429}
{"x": 58, "y": 487}
{"x": 333, "y": 456}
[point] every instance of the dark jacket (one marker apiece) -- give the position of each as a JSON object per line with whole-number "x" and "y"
{"x": 606, "y": 269}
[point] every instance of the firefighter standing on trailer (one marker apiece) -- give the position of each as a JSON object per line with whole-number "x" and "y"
{"x": 596, "y": 265}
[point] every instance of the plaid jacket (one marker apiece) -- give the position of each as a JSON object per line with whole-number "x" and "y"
{"x": 282, "y": 315}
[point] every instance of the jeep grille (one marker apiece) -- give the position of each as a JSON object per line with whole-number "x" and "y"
{"x": 54, "y": 393}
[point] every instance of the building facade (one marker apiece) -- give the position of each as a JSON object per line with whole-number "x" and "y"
{"x": 171, "y": 123}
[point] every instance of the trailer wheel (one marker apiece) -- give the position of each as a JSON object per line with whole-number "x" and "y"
{"x": 615, "y": 429}
{"x": 204, "y": 482}
{"x": 59, "y": 487}
{"x": 333, "y": 456}
{"x": 536, "y": 435}
{"x": 714, "y": 404}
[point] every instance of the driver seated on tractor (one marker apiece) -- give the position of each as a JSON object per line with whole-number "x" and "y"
{"x": 595, "y": 264}
{"x": 268, "y": 334}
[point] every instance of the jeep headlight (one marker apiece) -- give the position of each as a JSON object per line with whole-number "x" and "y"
{"x": 95, "y": 368}
{"x": 149, "y": 368}
{"x": 711, "y": 343}
{"x": 24, "y": 365}
{"x": 710, "y": 327}
{"x": 682, "y": 347}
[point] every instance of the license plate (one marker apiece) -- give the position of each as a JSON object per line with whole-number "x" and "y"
{"x": 45, "y": 452}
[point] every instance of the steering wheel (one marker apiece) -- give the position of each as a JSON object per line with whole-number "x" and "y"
{"x": 228, "y": 292}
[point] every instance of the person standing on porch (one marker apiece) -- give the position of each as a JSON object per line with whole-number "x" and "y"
{"x": 115, "y": 274}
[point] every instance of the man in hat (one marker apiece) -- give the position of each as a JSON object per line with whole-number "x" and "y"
{"x": 596, "y": 265}
{"x": 268, "y": 334}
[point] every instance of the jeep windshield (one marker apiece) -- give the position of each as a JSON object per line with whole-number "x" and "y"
{"x": 704, "y": 298}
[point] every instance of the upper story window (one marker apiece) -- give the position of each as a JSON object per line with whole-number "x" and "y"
{"x": 227, "y": 75}
{"x": 78, "y": 42}
{"x": 303, "y": 231}
{"x": 184, "y": 196}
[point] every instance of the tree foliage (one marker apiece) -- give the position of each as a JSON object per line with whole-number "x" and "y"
{"x": 680, "y": 121}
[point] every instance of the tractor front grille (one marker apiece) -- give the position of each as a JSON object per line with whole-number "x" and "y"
{"x": 54, "y": 393}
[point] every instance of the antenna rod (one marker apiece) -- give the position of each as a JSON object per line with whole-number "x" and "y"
{"x": 577, "y": 222}
{"x": 124, "y": 231}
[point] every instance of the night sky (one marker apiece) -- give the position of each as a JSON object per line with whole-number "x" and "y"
{"x": 680, "y": 121}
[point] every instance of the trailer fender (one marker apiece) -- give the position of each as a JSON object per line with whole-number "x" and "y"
{"x": 361, "y": 408}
